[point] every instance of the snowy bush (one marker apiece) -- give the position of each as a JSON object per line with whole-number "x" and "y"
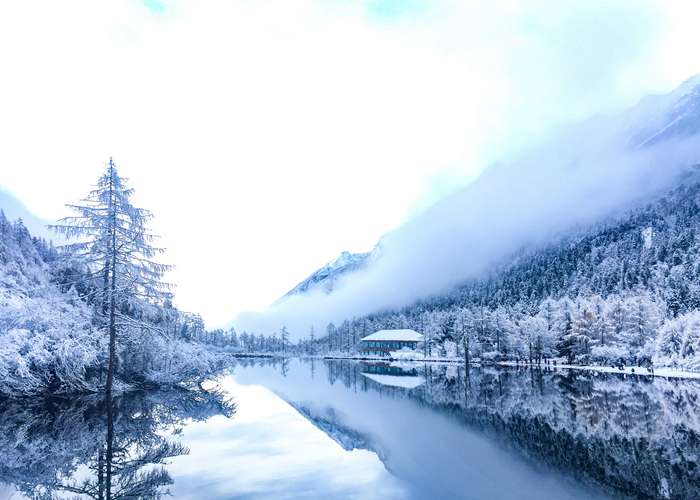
{"x": 608, "y": 354}
{"x": 182, "y": 362}
{"x": 48, "y": 351}
{"x": 678, "y": 342}
{"x": 47, "y": 342}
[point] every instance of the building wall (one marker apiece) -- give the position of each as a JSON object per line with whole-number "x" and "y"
{"x": 383, "y": 348}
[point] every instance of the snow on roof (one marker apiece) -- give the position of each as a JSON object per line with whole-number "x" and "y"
{"x": 405, "y": 381}
{"x": 395, "y": 335}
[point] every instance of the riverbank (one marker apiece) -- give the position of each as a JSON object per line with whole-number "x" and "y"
{"x": 667, "y": 372}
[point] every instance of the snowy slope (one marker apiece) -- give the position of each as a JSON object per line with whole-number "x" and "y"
{"x": 654, "y": 120}
{"x": 674, "y": 115}
{"x": 15, "y": 209}
{"x": 326, "y": 277}
{"x": 47, "y": 340}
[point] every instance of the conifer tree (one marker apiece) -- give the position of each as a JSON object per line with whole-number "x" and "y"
{"x": 117, "y": 249}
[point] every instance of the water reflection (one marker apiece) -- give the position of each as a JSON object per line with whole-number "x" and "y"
{"x": 506, "y": 433}
{"x": 316, "y": 429}
{"x": 87, "y": 448}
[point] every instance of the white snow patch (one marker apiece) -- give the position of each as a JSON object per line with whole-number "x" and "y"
{"x": 647, "y": 236}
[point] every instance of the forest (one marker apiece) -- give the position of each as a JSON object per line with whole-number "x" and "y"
{"x": 626, "y": 291}
{"x": 93, "y": 313}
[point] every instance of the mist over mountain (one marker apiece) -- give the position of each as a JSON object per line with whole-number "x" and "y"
{"x": 325, "y": 278}
{"x": 585, "y": 174}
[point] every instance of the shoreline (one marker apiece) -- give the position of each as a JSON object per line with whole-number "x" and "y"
{"x": 663, "y": 372}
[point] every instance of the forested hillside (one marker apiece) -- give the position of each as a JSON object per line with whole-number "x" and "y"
{"x": 39, "y": 324}
{"x": 626, "y": 290}
{"x": 53, "y": 334}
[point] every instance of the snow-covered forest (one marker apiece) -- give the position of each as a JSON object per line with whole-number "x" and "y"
{"x": 59, "y": 306}
{"x": 624, "y": 291}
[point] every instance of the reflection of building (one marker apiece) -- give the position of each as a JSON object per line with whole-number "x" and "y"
{"x": 381, "y": 343}
{"x": 394, "y": 376}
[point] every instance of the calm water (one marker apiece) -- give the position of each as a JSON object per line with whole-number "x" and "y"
{"x": 303, "y": 429}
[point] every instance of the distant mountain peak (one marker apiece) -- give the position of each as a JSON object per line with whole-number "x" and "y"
{"x": 325, "y": 278}
{"x": 673, "y": 115}
{"x": 655, "y": 119}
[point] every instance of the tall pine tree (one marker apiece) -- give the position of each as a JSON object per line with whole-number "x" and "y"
{"x": 117, "y": 249}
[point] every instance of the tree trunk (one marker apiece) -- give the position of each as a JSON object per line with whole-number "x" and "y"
{"x": 110, "y": 452}
{"x": 100, "y": 475}
{"x": 112, "y": 298}
{"x": 466, "y": 351}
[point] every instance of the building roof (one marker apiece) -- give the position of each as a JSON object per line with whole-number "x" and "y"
{"x": 395, "y": 335}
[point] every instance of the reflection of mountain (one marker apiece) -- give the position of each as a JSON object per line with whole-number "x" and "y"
{"x": 330, "y": 422}
{"x": 50, "y": 448}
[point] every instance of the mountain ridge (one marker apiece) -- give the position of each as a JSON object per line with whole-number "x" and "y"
{"x": 655, "y": 119}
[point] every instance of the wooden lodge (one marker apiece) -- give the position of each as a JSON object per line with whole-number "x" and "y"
{"x": 383, "y": 342}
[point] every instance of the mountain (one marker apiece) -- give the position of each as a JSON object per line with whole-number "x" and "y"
{"x": 586, "y": 248}
{"x": 650, "y": 133}
{"x": 670, "y": 116}
{"x": 326, "y": 277}
{"x": 626, "y": 288}
{"x": 15, "y": 209}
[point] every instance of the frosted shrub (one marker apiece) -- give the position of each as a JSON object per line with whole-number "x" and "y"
{"x": 678, "y": 342}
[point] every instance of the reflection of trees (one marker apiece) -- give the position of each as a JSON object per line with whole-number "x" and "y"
{"x": 637, "y": 435}
{"x": 87, "y": 448}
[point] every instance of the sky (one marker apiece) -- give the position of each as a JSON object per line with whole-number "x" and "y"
{"x": 268, "y": 136}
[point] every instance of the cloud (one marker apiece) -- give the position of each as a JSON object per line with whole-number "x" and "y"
{"x": 155, "y": 6}
{"x": 392, "y": 10}
{"x": 266, "y": 137}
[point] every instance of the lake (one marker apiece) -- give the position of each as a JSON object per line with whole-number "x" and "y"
{"x": 343, "y": 429}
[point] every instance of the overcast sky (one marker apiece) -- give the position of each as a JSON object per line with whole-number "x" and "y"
{"x": 267, "y": 136}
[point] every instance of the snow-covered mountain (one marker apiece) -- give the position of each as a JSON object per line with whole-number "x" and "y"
{"x": 14, "y": 209}
{"x": 660, "y": 118}
{"x": 658, "y": 133}
{"x": 326, "y": 277}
